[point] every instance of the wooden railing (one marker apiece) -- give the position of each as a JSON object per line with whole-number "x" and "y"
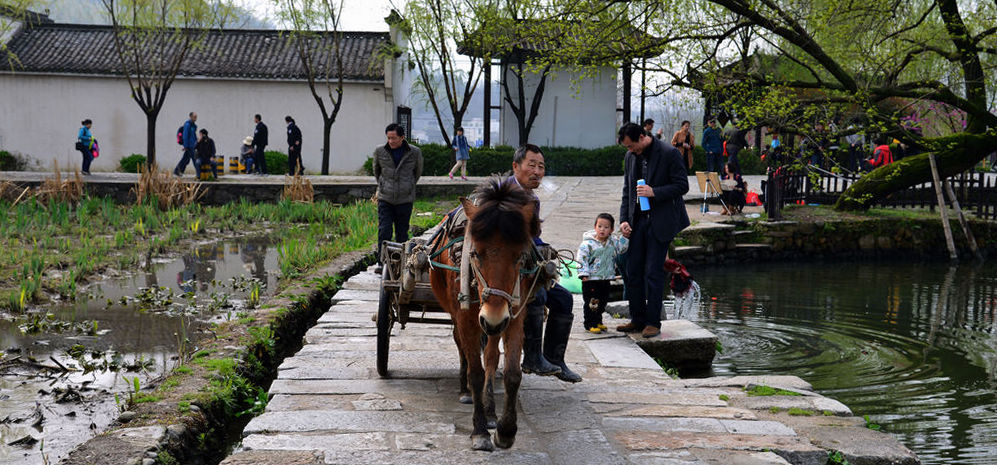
{"x": 976, "y": 192}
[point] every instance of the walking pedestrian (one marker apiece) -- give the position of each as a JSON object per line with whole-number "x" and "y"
{"x": 294, "y": 166}
{"x": 713, "y": 144}
{"x": 462, "y": 151}
{"x": 650, "y": 230}
{"x": 188, "y": 139}
{"x": 397, "y": 168}
{"x": 84, "y": 143}
{"x": 261, "y": 138}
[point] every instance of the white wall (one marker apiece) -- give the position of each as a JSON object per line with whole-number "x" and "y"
{"x": 40, "y": 116}
{"x": 573, "y": 113}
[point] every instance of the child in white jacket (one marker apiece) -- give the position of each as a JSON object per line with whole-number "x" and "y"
{"x": 596, "y": 259}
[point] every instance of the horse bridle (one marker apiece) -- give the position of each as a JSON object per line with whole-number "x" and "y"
{"x": 515, "y": 299}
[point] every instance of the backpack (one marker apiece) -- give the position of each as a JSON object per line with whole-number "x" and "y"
{"x": 180, "y": 135}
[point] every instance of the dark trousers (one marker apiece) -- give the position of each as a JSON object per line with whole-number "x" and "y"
{"x": 854, "y": 158}
{"x": 188, "y": 156}
{"x": 645, "y": 275}
{"x": 390, "y": 215}
{"x": 260, "y": 159}
{"x": 294, "y": 160}
{"x": 595, "y": 294}
{"x": 714, "y": 162}
{"x": 557, "y": 299}
{"x": 87, "y": 159}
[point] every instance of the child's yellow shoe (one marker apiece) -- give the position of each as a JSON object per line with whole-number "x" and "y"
{"x": 602, "y": 327}
{"x": 595, "y": 330}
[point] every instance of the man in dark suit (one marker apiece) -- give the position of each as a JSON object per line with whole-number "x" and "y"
{"x": 650, "y": 231}
{"x": 261, "y": 139}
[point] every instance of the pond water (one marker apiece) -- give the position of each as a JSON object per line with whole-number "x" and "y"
{"x": 914, "y": 346}
{"x": 128, "y": 326}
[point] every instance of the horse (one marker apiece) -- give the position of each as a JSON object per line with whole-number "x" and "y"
{"x": 498, "y": 242}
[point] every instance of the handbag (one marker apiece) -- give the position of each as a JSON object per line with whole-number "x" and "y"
{"x": 80, "y": 146}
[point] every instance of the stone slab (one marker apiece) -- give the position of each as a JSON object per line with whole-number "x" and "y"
{"x": 780, "y": 381}
{"x": 351, "y": 386}
{"x": 794, "y": 449}
{"x": 275, "y": 457}
{"x": 582, "y": 446}
{"x": 302, "y": 441}
{"x": 699, "y": 425}
{"x": 681, "y": 343}
{"x": 735, "y": 457}
{"x": 350, "y": 421}
{"x": 619, "y": 352}
{"x": 356, "y": 294}
{"x": 687, "y": 411}
{"x": 461, "y": 456}
{"x": 861, "y": 446}
{"x": 664, "y": 397}
{"x": 762, "y": 427}
{"x": 815, "y": 404}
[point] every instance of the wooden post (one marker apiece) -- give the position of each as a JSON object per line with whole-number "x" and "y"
{"x": 941, "y": 208}
{"x": 970, "y": 239}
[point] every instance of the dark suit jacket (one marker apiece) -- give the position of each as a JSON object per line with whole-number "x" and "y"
{"x": 666, "y": 174}
{"x": 261, "y": 137}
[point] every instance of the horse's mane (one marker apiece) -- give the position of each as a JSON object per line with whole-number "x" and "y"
{"x": 500, "y": 211}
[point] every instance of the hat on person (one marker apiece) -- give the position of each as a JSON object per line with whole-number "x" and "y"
{"x": 248, "y": 140}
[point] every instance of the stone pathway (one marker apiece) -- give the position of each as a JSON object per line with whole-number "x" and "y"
{"x": 328, "y": 405}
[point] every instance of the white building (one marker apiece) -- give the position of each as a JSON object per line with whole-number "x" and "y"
{"x": 68, "y": 73}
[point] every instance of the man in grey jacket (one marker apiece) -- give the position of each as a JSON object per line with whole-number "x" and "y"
{"x": 397, "y": 168}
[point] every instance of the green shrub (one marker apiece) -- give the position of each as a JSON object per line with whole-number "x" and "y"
{"x": 131, "y": 163}
{"x": 276, "y": 161}
{"x": 12, "y": 161}
{"x": 485, "y": 161}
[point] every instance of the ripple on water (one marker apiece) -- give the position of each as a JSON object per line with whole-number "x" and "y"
{"x": 909, "y": 345}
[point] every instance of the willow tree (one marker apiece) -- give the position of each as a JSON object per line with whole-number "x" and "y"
{"x": 313, "y": 31}
{"x": 434, "y": 28}
{"x": 883, "y": 59}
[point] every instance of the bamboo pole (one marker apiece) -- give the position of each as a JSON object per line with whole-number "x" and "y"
{"x": 953, "y": 255}
{"x": 970, "y": 239}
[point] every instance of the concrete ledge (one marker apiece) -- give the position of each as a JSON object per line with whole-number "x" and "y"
{"x": 682, "y": 344}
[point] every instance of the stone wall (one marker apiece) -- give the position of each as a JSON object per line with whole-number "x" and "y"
{"x": 885, "y": 238}
{"x": 220, "y": 193}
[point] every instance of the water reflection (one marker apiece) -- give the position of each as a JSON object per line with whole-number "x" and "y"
{"x": 137, "y": 321}
{"x": 914, "y": 346}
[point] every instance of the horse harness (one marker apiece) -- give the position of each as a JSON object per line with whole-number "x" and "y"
{"x": 454, "y": 234}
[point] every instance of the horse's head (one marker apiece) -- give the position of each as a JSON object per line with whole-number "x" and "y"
{"x": 502, "y": 225}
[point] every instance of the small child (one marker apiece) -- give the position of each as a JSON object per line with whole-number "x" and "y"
{"x": 596, "y": 267}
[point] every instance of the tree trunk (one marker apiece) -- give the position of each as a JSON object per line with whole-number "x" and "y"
{"x": 326, "y": 134}
{"x": 150, "y": 138}
{"x": 957, "y": 153}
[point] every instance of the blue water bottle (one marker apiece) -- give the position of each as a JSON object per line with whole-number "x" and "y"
{"x": 645, "y": 205}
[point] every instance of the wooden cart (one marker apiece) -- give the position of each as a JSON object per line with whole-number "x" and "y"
{"x": 406, "y": 295}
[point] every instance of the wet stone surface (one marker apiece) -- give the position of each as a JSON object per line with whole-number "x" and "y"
{"x": 329, "y": 402}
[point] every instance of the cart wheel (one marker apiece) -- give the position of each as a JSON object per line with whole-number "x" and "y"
{"x": 384, "y": 324}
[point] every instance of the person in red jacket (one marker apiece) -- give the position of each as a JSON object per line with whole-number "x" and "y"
{"x": 880, "y": 157}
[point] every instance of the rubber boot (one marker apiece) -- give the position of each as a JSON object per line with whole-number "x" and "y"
{"x": 533, "y": 359}
{"x": 556, "y": 342}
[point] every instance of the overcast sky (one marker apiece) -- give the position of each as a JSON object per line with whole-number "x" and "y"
{"x": 358, "y": 15}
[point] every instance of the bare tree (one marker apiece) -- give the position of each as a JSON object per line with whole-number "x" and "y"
{"x": 152, "y": 38}
{"x": 314, "y": 33}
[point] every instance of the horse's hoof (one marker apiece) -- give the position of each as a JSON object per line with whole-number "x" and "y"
{"x": 465, "y": 399}
{"x": 482, "y": 442}
{"x": 504, "y": 443}
{"x": 491, "y": 424}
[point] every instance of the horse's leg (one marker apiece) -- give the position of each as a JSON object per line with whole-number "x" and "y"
{"x": 505, "y": 433}
{"x": 491, "y": 366}
{"x": 465, "y": 392}
{"x": 470, "y": 340}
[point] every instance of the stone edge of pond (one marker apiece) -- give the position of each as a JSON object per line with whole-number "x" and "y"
{"x": 826, "y": 239}
{"x": 158, "y": 434}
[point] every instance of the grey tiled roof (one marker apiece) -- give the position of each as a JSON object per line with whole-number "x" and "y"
{"x": 229, "y": 53}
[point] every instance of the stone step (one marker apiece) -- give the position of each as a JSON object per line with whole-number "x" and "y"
{"x": 682, "y": 344}
{"x": 686, "y": 251}
{"x": 752, "y": 247}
